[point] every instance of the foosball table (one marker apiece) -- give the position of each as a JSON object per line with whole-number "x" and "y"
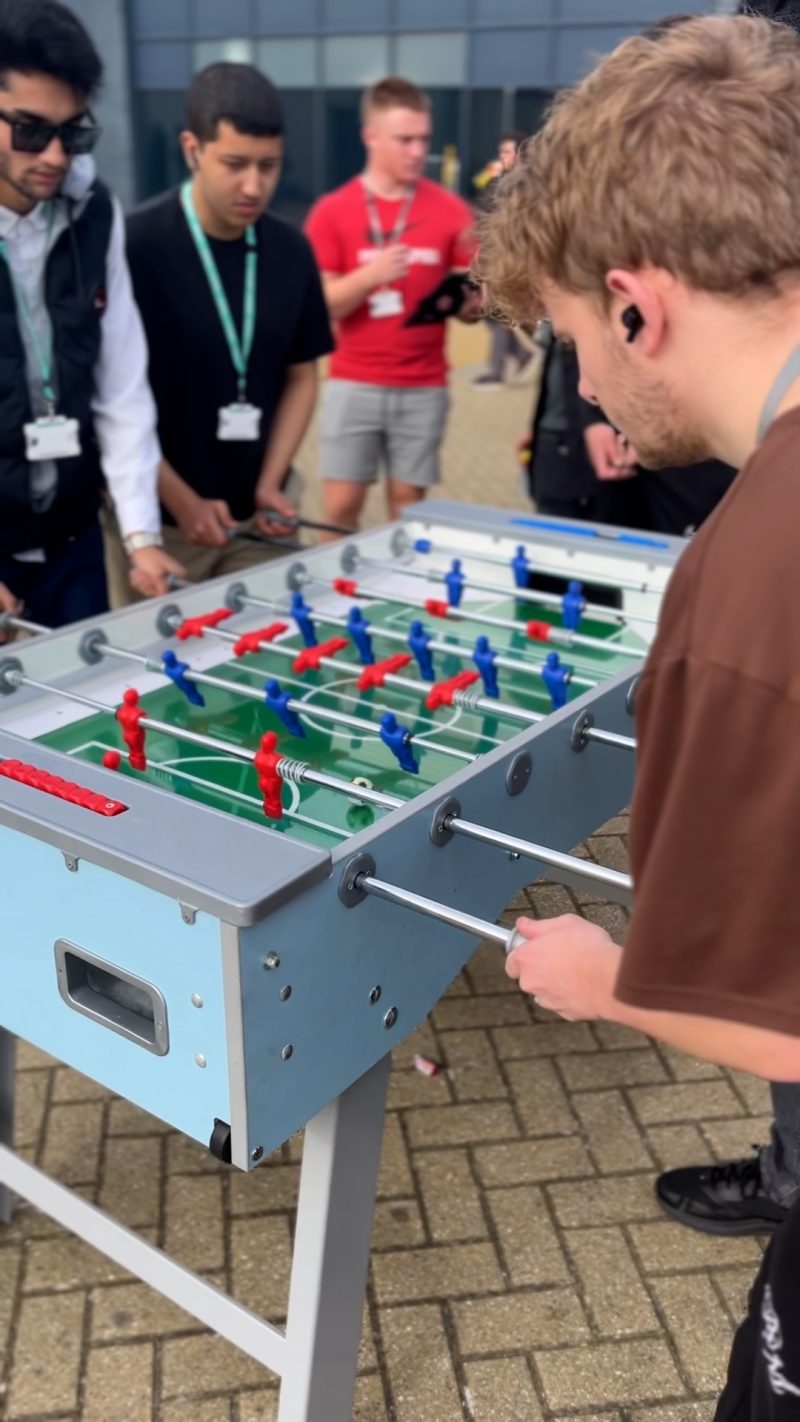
{"x": 251, "y": 831}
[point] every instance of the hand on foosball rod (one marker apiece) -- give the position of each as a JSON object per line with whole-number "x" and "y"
{"x": 568, "y": 965}
{"x": 270, "y": 505}
{"x": 8, "y": 603}
{"x": 608, "y": 452}
{"x": 206, "y": 523}
{"x": 151, "y": 570}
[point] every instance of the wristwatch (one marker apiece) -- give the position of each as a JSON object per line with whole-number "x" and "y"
{"x": 135, "y": 541}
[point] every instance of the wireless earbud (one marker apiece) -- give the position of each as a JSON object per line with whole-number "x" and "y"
{"x": 633, "y": 321}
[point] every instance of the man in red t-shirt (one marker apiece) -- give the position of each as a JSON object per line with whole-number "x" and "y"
{"x": 384, "y": 241}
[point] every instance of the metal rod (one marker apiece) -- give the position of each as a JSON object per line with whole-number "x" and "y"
{"x": 583, "y": 868}
{"x": 609, "y": 738}
{"x": 453, "y": 649}
{"x": 434, "y": 575}
{"x": 204, "y": 1301}
{"x": 539, "y": 565}
{"x": 354, "y": 792}
{"x": 322, "y": 713}
{"x": 505, "y": 938}
{"x": 458, "y": 614}
{"x": 181, "y": 733}
{"x": 479, "y": 703}
{"x": 22, "y": 624}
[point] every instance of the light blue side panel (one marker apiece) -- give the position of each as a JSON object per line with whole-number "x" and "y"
{"x": 138, "y": 930}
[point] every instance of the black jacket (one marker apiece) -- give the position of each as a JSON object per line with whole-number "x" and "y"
{"x": 75, "y": 279}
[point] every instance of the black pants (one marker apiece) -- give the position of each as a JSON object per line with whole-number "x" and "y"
{"x": 764, "y": 1370}
{"x": 68, "y": 586}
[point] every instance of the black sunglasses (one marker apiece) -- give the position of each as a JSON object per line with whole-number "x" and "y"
{"x": 34, "y": 135}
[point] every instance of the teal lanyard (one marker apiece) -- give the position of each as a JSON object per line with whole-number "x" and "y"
{"x": 43, "y": 355}
{"x": 239, "y": 347}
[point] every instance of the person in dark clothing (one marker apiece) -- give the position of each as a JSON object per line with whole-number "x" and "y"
{"x": 684, "y": 304}
{"x": 579, "y": 468}
{"x": 236, "y": 320}
{"x": 75, "y": 407}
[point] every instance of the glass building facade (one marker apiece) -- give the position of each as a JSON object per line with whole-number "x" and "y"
{"x": 488, "y": 65}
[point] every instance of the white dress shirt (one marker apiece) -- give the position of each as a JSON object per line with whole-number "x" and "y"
{"x": 124, "y": 411}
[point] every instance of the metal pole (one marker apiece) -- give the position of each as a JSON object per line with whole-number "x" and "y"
{"x": 505, "y": 938}
{"x": 461, "y": 615}
{"x": 538, "y": 564}
{"x": 453, "y": 649}
{"x": 609, "y": 738}
{"x": 22, "y": 624}
{"x": 434, "y": 575}
{"x": 8, "y": 1046}
{"x": 322, "y": 713}
{"x": 582, "y": 868}
{"x": 287, "y": 768}
{"x": 465, "y": 699}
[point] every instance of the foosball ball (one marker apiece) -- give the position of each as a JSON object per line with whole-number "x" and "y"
{"x": 251, "y": 832}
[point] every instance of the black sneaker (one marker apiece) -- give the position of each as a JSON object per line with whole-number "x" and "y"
{"x": 486, "y": 382}
{"x": 720, "y": 1199}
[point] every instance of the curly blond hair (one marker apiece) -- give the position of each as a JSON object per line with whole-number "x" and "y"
{"x": 680, "y": 151}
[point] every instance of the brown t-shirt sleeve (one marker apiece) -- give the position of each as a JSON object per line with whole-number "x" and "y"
{"x": 715, "y": 834}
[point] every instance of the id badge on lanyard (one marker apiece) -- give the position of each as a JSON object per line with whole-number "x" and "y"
{"x": 387, "y": 300}
{"x": 239, "y": 421}
{"x": 52, "y": 436}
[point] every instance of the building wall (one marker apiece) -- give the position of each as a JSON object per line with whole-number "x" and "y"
{"x": 107, "y": 22}
{"x": 488, "y": 65}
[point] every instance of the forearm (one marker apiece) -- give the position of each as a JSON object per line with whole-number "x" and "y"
{"x": 122, "y": 403}
{"x": 173, "y": 491}
{"x": 345, "y": 294}
{"x": 289, "y": 425}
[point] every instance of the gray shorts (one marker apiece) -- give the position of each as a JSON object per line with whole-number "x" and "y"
{"x": 366, "y": 427}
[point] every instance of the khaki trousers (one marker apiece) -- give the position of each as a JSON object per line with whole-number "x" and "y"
{"x": 200, "y": 563}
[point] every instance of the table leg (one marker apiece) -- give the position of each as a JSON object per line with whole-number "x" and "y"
{"x": 341, "y": 1156}
{"x": 8, "y": 1052}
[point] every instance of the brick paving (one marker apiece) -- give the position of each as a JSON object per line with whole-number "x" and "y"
{"x": 521, "y": 1270}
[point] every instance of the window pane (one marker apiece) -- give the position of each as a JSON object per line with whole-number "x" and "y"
{"x": 235, "y": 51}
{"x": 344, "y": 153}
{"x": 637, "y": 11}
{"x": 159, "y": 161}
{"x": 290, "y": 63}
{"x": 286, "y": 17}
{"x": 296, "y": 190}
{"x": 577, "y": 51}
{"x": 529, "y": 109}
{"x": 433, "y": 58}
{"x": 161, "y": 65}
{"x": 355, "y": 59}
{"x": 486, "y": 122}
{"x": 510, "y": 57}
{"x": 498, "y": 12}
{"x": 212, "y": 18}
{"x": 421, "y": 14}
{"x": 356, "y": 14}
{"x": 445, "y": 112}
{"x": 152, "y": 18}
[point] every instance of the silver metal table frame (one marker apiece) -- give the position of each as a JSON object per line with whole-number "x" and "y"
{"x": 316, "y": 1355}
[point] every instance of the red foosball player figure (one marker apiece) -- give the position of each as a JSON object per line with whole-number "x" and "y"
{"x": 270, "y": 783}
{"x": 129, "y": 715}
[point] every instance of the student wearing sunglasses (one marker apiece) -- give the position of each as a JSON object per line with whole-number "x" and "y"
{"x": 75, "y": 407}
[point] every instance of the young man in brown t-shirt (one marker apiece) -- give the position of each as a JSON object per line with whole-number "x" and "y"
{"x": 683, "y": 301}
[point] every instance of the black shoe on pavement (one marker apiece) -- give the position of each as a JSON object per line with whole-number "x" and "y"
{"x": 721, "y": 1199}
{"x": 486, "y": 382}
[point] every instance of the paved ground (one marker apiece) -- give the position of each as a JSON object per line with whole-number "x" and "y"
{"x": 520, "y": 1271}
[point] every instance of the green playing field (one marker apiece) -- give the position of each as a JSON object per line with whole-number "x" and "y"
{"x": 316, "y": 814}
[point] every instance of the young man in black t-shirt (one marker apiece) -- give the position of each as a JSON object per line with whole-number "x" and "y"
{"x": 235, "y": 319}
